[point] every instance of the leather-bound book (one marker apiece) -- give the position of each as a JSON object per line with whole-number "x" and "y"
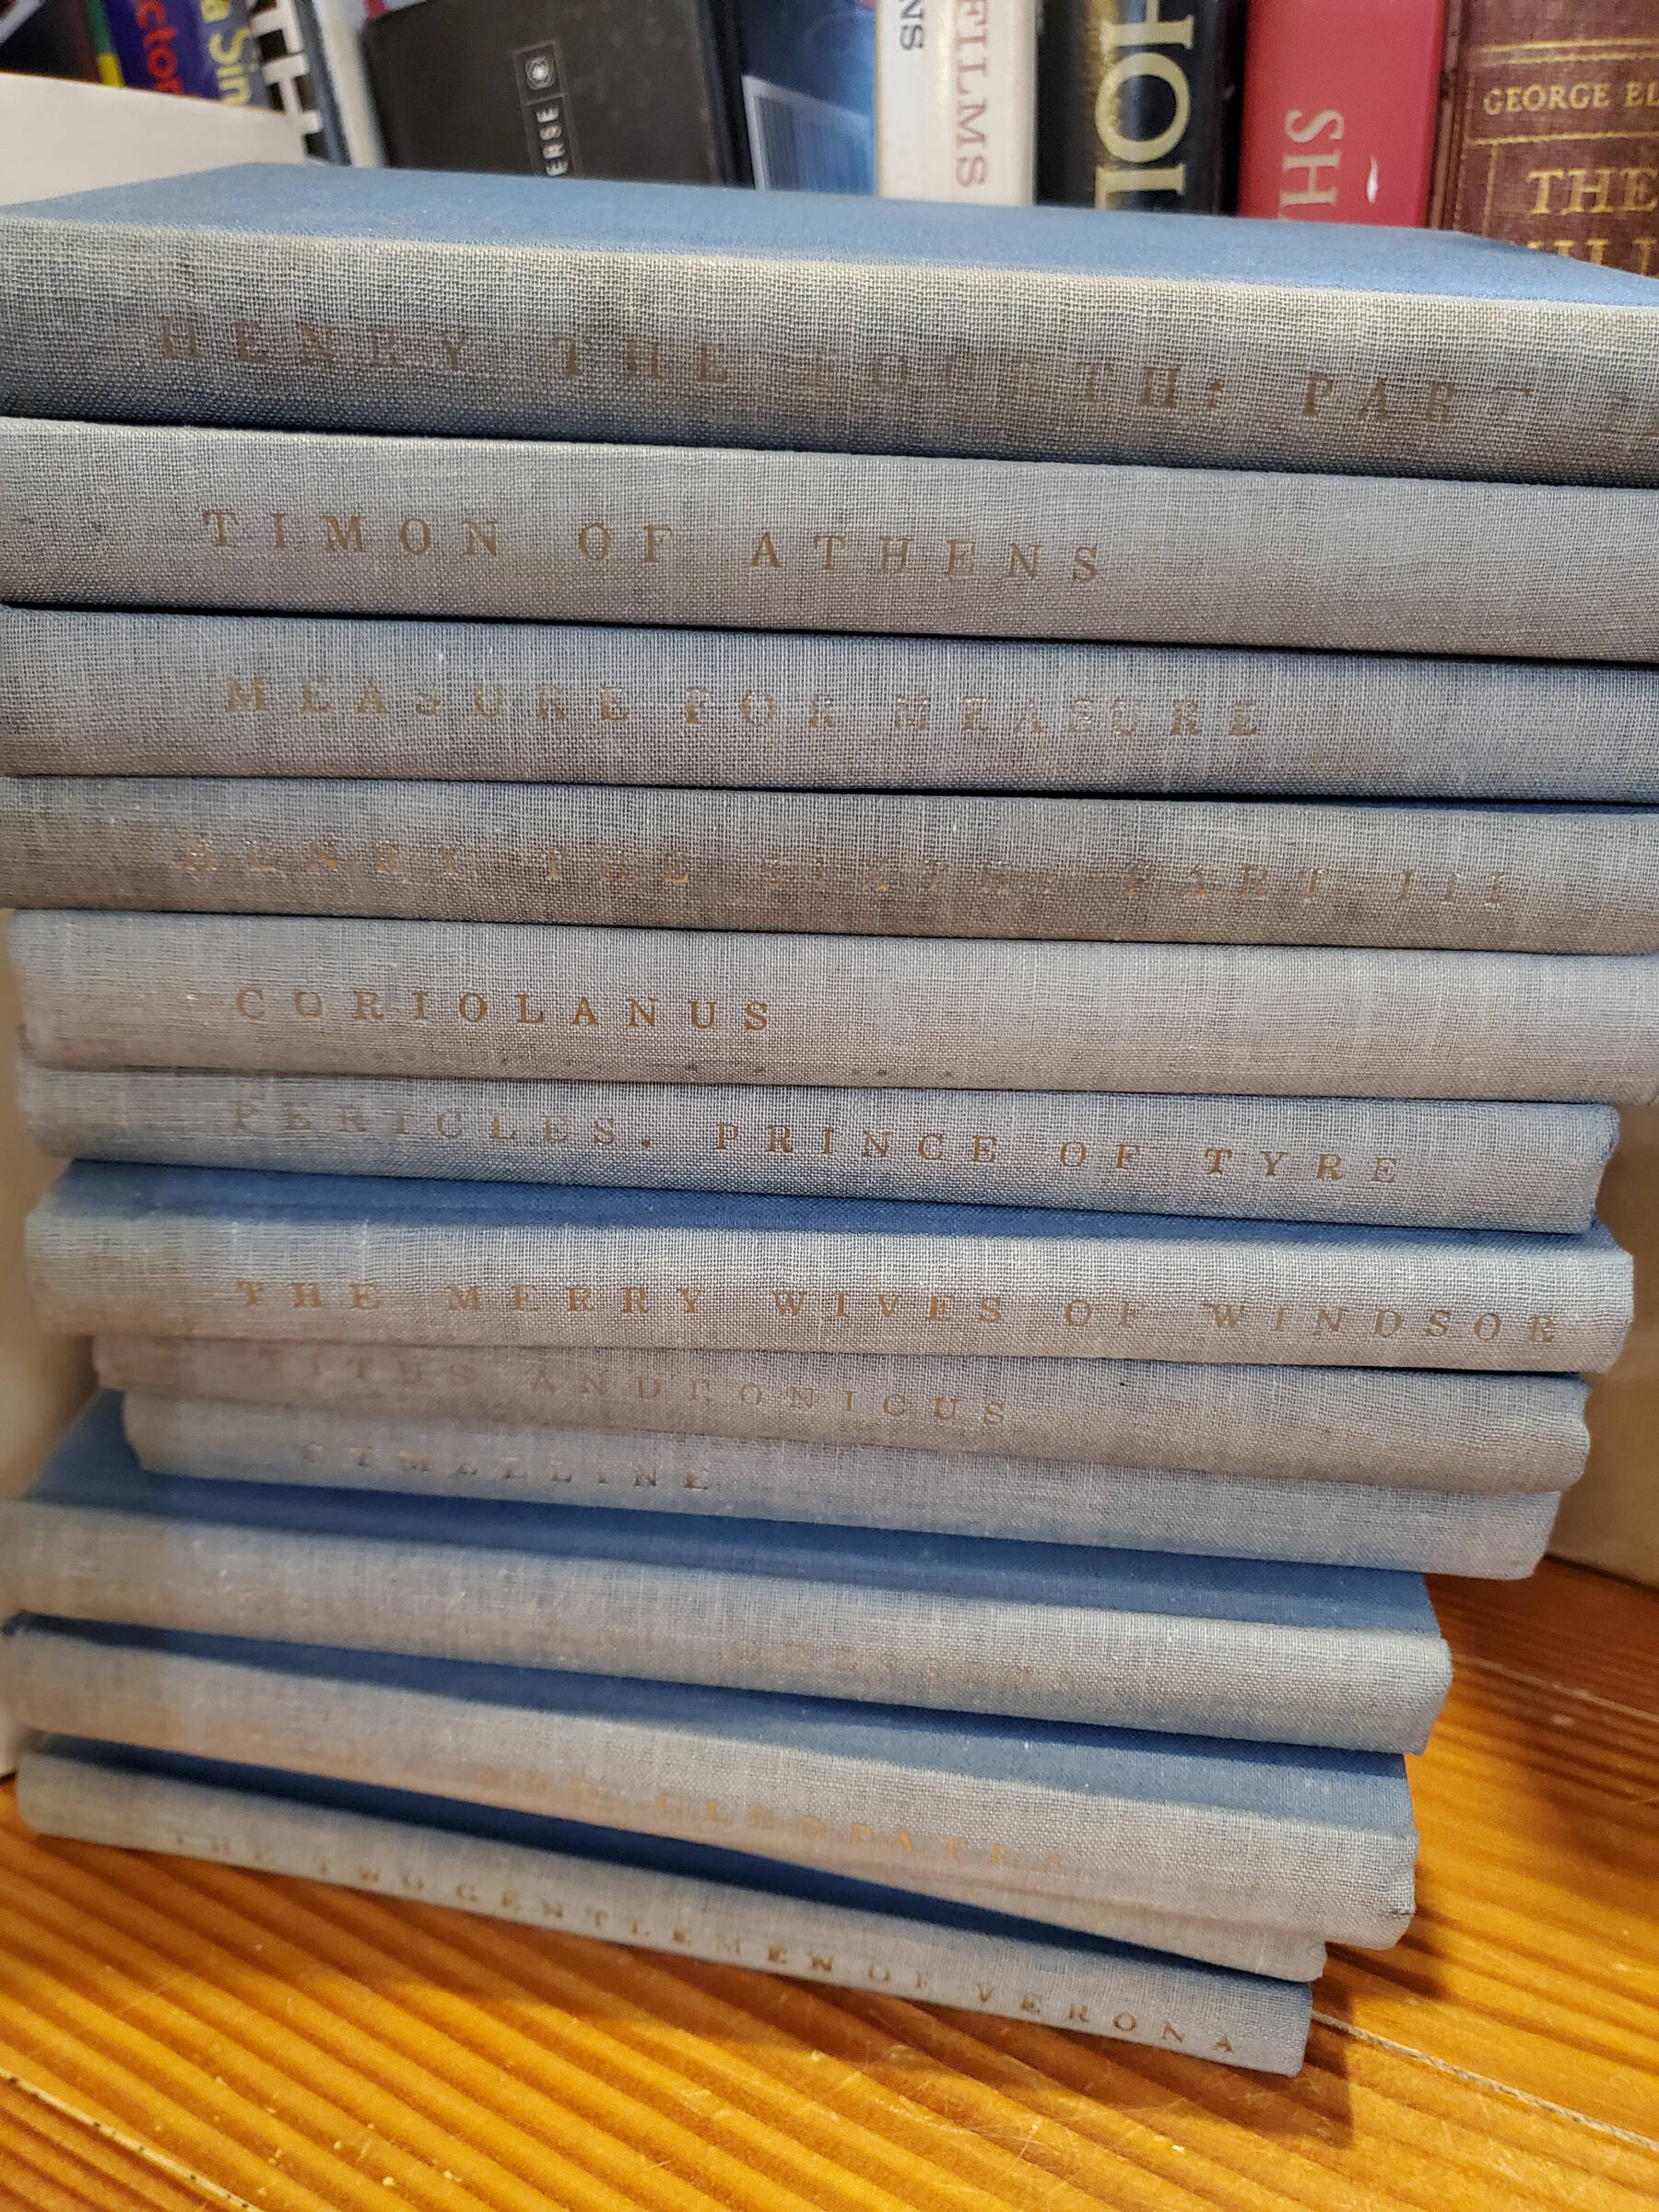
{"x": 1550, "y": 127}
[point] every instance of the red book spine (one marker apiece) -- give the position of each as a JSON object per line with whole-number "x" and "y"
{"x": 1340, "y": 100}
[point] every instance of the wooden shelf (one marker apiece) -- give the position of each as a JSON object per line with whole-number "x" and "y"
{"x": 174, "y": 2034}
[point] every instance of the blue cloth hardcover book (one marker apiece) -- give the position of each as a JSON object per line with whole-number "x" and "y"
{"x": 697, "y": 1901}
{"x": 214, "y": 1252}
{"x": 1260, "y": 1834}
{"x": 391, "y": 299}
{"x": 1257, "y": 1649}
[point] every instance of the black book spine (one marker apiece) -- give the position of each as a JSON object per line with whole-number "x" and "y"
{"x": 1139, "y": 103}
{"x": 558, "y": 87}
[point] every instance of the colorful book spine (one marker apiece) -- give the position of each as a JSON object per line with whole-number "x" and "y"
{"x": 1431, "y": 1164}
{"x": 1140, "y": 107}
{"x": 1550, "y": 128}
{"x": 1341, "y": 1524}
{"x": 567, "y": 1004}
{"x": 102, "y": 692}
{"x": 1284, "y": 1837}
{"x": 1183, "y": 870}
{"x": 208, "y": 1252}
{"x": 202, "y": 49}
{"x": 670, "y": 315}
{"x": 1266, "y": 1652}
{"x": 108, "y": 65}
{"x": 117, "y": 515}
{"x": 1399, "y": 1429}
{"x": 1341, "y": 99}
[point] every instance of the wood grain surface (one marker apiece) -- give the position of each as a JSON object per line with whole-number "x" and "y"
{"x": 174, "y": 2034}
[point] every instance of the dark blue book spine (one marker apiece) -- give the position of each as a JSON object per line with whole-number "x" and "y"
{"x": 162, "y": 47}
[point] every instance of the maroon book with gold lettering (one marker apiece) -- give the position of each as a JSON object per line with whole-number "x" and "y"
{"x": 1550, "y": 127}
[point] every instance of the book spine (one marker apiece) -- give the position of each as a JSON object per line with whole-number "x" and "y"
{"x": 992, "y": 121}
{"x": 1162, "y": 2002}
{"x": 1080, "y": 869}
{"x": 98, "y": 692}
{"x": 1575, "y": 89}
{"x": 912, "y": 98}
{"x": 333, "y": 28}
{"x": 1399, "y": 1429}
{"x": 1339, "y": 109}
{"x": 1436, "y": 1164}
{"x": 958, "y": 1493}
{"x": 106, "y": 70}
{"x": 569, "y": 1004}
{"x": 98, "y": 513}
{"x": 1140, "y": 109}
{"x": 1284, "y": 1953}
{"x": 775, "y": 1797}
{"x": 161, "y": 47}
{"x": 1356, "y": 1688}
{"x": 234, "y": 52}
{"x": 1019, "y": 360}
{"x": 1505, "y": 1303}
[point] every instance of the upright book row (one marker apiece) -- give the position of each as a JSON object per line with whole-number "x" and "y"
{"x": 1528, "y": 121}
{"x": 809, "y": 1179}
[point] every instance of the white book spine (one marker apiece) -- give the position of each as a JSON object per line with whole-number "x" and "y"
{"x": 573, "y": 1004}
{"x": 1451, "y": 1163}
{"x": 1394, "y": 1427}
{"x": 1349, "y": 1884}
{"x": 863, "y": 1486}
{"x": 1355, "y": 1689}
{"x": 1165, "y": 2003}
{"x": 912, "y": 98}
{"x": 992, "y": 110}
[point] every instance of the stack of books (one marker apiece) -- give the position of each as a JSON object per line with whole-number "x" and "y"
{"x": 839, "y": 996}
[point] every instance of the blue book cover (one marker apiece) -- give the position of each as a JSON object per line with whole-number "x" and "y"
{"x": 1358, "y": 1790}
{"x": 390, "y": 207}
{"x": 227, "y": 1251}
{"x": 118, "y": 1191}
{"x": 188, "y": 47}
{"x": 700, "y": 316}
{"x": 95, "y": 1469}
{"x": 585, "y": 1839}
{"x": 1234, "y": 1993}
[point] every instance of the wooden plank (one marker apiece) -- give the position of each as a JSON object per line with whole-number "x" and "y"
{"x": 303, "y": 2049}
